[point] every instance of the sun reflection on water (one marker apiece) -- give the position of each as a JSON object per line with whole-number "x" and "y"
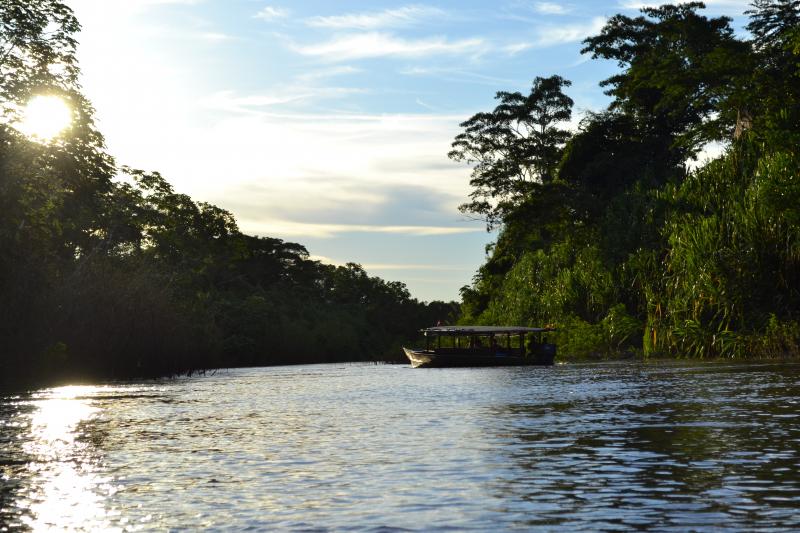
{"x": 68, "y": 489}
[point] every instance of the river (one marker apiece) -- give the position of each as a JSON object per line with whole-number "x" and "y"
{"x": 371, "y": 448}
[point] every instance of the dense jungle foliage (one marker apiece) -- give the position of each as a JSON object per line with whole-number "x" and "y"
{"x": 108, "y": 272}
{"x": 606, "y": 233}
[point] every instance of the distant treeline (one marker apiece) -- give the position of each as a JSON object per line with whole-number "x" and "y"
{"x": 605, "y": 232}
{"x": 107, "y": 272}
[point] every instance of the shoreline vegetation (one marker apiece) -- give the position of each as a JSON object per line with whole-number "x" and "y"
{"x": 607, "y": 234}
{"x": 106, "y": 272}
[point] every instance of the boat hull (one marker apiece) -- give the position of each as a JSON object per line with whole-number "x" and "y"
{"x": 431, "y": 359}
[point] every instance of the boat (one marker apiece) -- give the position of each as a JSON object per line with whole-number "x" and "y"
{"x": 473, "y": 346}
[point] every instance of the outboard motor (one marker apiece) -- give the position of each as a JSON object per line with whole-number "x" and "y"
{"x": 545, "y": 353}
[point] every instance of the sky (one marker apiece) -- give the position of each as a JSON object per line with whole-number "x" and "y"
{"x": 328, "y": 123}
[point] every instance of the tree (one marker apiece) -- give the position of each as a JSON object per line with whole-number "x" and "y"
{"x": 38, "y": 57}
{"x": 774, "y": 115}
{"x": 772, "y": 23}
{"x": 52, "y": 196}
{"x": 608, "y": 154}
{"x": 37, "y": 49}
{"x": 513, "y": 147}
{"x": 624, "y": 239}
{"x": 684, "y": 75}
{"x": 121, "y": 278}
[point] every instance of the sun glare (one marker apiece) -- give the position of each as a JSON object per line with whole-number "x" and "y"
{"x": 45, "y": 117}
{"x": 69, "y": 489}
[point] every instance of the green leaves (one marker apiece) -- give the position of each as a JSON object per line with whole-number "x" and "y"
{"x": 733, "y": 254}
{"x": 37, "y": 52}
{"x": 513, "y": 147}
{"x": 704, "y": 264}
{"x": 772, "y": 23}
{"x": 683, "y": 74}
{"x": 776, "y": 74}
{"x": 127, "y": 277}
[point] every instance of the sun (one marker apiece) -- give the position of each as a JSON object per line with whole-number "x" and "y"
{"x": 45, "y": 117}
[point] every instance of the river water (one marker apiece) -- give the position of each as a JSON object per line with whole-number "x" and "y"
{"x": 363, "y": 447}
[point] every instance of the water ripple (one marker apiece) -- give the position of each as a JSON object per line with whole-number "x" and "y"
{"x": 364, "y": 448}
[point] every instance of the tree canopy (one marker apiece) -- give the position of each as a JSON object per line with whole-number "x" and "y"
{"x": 622, "y": 246}
{"x": 513, "y": 147}
{"x": 107, "y": 272}
{"x": 683, "y": 74}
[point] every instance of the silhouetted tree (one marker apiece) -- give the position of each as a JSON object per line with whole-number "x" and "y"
{"x": 625, "y": 249}
{"x": 775, "y": 26}
{"x": 683, "y": 75}
{"x": 513, "y": 147}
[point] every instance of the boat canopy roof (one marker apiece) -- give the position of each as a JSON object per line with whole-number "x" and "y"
{"x": 480, "y": 330}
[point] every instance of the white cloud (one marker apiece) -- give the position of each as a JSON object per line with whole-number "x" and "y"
{"x": 568, "y": 33}
{"x": 516, "y": 48}
{"x": 430, "y": 267}
{"x": 87, "y": 8}
{"x": 708, "y": 152}
{"x": 325, "y": 259}
{"x": 159, "y": 2}
{"x": 742, "y": 5}
{"x": 258, "y": 151}
{"x": 272, "y": 13}
{"x": 328, "y": 73}
{"x": 402, "y": 266}
{"x": 458, "y": 75}
{"x": 302, "y": 174}
{"x": 550, "y": 8}
{"x": 425, "y": 105}
{"x": 373, "y": 44}
{"x": 230, "y": 102}
{"x": 390, "y": 18}
{"x": 287, "y": 228}
{"x": 216, "y": 37}
{"x": 555, "y": 35}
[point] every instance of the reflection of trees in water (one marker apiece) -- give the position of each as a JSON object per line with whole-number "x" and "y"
{"x": 670, "y": 447}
